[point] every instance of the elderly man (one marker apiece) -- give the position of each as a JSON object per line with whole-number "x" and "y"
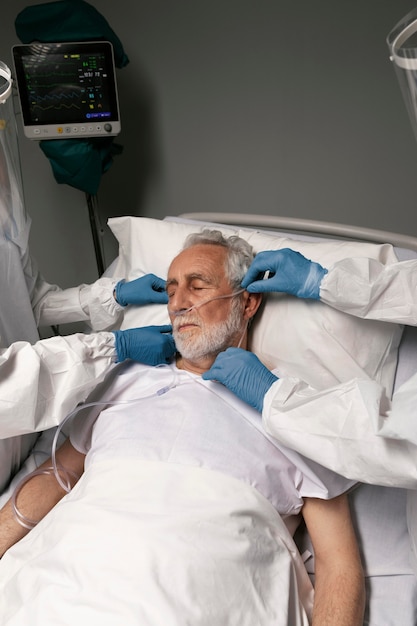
{"x": 183, "y": 495}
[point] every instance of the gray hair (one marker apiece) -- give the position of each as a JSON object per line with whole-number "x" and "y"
{"x": 240, "y": 253}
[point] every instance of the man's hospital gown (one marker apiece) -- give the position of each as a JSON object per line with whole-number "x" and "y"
{"x": 178, "y": 518}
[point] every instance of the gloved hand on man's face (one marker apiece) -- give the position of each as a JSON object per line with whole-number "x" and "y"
{"x": 289, "y": 272}
{"x": 151, "y": 345}
{"x": 148, "y": 289}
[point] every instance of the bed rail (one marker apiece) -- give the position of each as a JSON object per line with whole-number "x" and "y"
{"x": 306, "y": 226}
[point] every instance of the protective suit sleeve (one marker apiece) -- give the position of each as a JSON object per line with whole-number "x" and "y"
{"x": 52, "y": 305}
{"x": 368, "y": 289}
{"x": 339, "y": 428}
{"x": 41, "y": 383}
{"x": 93, "y": 304}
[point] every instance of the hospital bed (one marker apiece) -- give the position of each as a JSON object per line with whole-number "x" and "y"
{"x": 379, "y": 513}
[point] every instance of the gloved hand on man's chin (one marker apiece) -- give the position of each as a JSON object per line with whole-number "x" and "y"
{"x": 289, "y": 272}
{"x": 244, "y": 374}
{"x": 151, "y": 345}
{"x": 148, "y": 289}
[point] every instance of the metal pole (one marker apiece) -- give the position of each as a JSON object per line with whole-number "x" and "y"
{"x": 96, "y": 230}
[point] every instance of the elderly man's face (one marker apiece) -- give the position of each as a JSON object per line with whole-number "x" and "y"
{"x": 196, "y": 275}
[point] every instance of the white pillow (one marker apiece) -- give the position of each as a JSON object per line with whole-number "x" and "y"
{"x": 300, "y": 338}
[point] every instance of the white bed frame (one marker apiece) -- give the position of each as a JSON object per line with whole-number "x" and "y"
{"x": 298, "y": 226}
{"x": 379, "y": 513}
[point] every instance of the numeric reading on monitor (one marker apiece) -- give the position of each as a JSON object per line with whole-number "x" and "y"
{"x": 67, "y": 90}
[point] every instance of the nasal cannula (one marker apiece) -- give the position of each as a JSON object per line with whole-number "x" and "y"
{"x": 200, "y": 304}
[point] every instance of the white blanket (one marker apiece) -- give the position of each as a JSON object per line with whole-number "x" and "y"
{"x": 150, "y": 543}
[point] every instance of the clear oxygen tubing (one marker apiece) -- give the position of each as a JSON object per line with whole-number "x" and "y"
{"x": 24, "y": 521}
{"x": 200, "y": 304}
{"x": 57, "y": 470}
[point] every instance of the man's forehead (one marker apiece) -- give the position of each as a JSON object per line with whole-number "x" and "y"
{"x": 201, "y": 259}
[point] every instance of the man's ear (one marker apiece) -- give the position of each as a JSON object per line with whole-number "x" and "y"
{"x": 252, "y": 302}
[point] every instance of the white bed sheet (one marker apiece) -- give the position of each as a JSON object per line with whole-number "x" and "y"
{"x": 192, "y": 547}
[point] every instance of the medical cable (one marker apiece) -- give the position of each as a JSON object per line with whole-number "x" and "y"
{"x": 200, "y": 304}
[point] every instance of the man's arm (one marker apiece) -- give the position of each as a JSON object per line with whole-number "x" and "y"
{"x": 339, "y": 597}
{"x": 38, "y": 496}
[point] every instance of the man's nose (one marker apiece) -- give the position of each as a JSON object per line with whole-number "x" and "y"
{"x": 180, "y": 301}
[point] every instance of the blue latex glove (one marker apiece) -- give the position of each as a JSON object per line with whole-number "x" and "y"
{"x": 151, "y": 345}
{"x": 243, "y": 373}
{"x": 289, "y": 272}
{"x": 148, "y": 289}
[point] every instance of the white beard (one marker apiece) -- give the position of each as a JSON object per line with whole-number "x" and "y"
{"x": 211, "y": 339}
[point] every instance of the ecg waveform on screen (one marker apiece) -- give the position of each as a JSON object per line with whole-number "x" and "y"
{"x": 59, "y": 100}
{"x": 67, "y": 88}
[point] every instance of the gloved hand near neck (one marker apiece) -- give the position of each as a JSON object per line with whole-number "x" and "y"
{"x": 244, "y": 374}
{"x": 289, "y": 272}
{"x": 151, "y": 345}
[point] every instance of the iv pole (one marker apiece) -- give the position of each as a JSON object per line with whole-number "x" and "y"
{"x": 96, "y": 230}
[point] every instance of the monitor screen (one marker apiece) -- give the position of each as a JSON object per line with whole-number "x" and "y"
{"x": 67, "y": 90}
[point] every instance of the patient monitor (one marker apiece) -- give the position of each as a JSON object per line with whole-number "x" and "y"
{"x": 67, "y": 90}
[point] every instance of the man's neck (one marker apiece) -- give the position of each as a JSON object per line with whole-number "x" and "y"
{"x": 195, "y": 367}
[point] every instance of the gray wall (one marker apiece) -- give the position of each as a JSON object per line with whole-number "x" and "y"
{"x": 274, "y": 107}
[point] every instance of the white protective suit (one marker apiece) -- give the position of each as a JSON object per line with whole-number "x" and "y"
{"x": 93, "y": 304}
{"x": 40, "y": 381}
{"x": 352, "y": 428}
{"x": 29, "y": 374}
{"x": 349, "y": 428}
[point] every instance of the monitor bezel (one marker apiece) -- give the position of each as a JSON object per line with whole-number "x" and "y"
{"x": 66, "y": 130}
